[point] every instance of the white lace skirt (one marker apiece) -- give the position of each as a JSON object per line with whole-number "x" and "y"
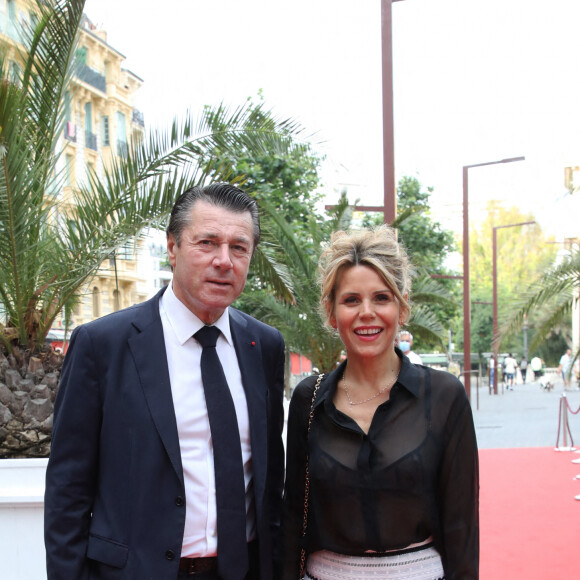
{"x": 422, "y": 563}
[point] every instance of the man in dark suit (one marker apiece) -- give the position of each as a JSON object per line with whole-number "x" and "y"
{"x": 133, "y": 483}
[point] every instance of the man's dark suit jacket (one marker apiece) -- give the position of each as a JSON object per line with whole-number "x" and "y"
{"x": 115, "y": 497}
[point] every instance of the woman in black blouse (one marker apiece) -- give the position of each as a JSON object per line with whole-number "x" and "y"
{"x": 392, "y": 453}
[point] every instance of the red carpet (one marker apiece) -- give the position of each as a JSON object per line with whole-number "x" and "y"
{"x": 530, "y": 521}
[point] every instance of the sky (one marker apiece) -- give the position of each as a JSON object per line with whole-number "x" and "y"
{"x": 474, "y": 81}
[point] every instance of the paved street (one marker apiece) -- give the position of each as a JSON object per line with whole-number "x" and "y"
{"x": 524, "y": 417}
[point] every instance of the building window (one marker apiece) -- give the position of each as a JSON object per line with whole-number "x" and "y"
{"x": 96, "y": 303}
{"x": 67, "y": 106}
{"x": 12, "y": 10}
{"x": 15, "y": 73}
{"x": 121, "y": 134}
{"x": 90, "y": 137}
{"x": 106, "y": 134}
{"x": 88, "y": 117}
{"x": 81, "y": 55}
{"x": 127, "y": 251}
{"x": 33, "y": 20}
{"x": 90, "y": 171}
{"x": 68, "y": 168}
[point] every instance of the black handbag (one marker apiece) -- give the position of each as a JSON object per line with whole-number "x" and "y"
{"x": 307, "y": 481}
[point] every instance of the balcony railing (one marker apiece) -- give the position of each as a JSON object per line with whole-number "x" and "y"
{"x": 92, "y": 77}
{"x": 138, "y": 118}
{"x": 90, "y": 140}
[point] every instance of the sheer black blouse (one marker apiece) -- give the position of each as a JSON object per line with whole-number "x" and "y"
{"x": 414, "y": 475}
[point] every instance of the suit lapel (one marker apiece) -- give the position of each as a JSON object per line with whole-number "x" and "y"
{"x": 248, "y": 351}
{"x": 148, "y": 350}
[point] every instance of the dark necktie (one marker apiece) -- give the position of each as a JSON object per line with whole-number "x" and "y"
{"x": 228, "y": 465}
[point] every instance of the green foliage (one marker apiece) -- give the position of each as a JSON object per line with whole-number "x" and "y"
{"x": 300, "y": 322}
{"x": 286, "y": 179}
{"x": 548, "y": 302}
{"x": 427, "y": 243}
{"x": 51, "y": 246}
{"x": 523, "y": 253}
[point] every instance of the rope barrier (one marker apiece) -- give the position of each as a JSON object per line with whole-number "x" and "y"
{"x": 564, "y": 426}
{"x": 570, "y": 408}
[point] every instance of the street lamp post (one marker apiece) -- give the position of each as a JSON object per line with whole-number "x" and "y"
{"x": 390, "y": 201}
{"x": 389, "y": 207}
{"x": 466, "y": 292}
{"x": 525, "y": 338}
{"x": 495, "y": 319}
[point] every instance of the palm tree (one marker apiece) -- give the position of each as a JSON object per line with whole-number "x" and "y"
{"x": 555, "y": 292}
{"x": 49, "y": 246}
{"x": 299, "y": 320}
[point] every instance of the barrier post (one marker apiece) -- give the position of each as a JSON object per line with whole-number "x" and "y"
{"x": 564, "y": 427}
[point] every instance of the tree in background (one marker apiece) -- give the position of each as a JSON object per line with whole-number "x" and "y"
{"x": 425, "y": 240}
{"x": 300, "y": 322}
{"x": 523, "y": 253}
{"x": 288, "y": 180}
{"x": 285, "y": 185}
{"x": 549, "y": 301}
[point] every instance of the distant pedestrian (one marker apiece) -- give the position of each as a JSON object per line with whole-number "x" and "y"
{"x": 491, "y": 370}
{"x": 406, "y": 344}
{"x": 510, "y": 367}
{"x": 524, "y": 369}
{"x": 536, "y": 364}
{"x": 564, "y": 367}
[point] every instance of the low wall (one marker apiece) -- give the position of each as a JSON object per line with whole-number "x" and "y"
{"x": 22, "y": 554}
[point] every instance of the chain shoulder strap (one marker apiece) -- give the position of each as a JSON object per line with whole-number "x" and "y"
{"x": 307, "y": 479}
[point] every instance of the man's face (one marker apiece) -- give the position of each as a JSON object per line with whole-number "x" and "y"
{"x": 211, "y": 263}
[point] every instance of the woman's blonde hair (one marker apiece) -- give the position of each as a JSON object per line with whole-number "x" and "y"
{"x": 376, "y": 248}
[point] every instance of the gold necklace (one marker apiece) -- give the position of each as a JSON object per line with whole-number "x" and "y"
{"x": 384, "y": 389}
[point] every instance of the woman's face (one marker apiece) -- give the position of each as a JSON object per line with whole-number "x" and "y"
{"x": 366, "y": 313}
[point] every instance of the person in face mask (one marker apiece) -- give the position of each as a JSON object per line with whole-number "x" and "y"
{"x": 405, "y": 344}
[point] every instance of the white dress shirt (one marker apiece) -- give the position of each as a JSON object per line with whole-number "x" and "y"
{"x": 183, "y": 359}
{"x": 414, "y": 358}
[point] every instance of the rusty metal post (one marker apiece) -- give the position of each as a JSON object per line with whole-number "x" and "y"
{"x": 390, "y": 199}
{"x": 466, "y": 287}
{"x": 495, "y": 324}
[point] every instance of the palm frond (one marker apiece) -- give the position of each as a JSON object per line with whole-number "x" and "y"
{"x": 426, "y": 290}
{"x": 424, "y": 325}
{"x": 279, "y": 279}
{"x": 556, "y": 286}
